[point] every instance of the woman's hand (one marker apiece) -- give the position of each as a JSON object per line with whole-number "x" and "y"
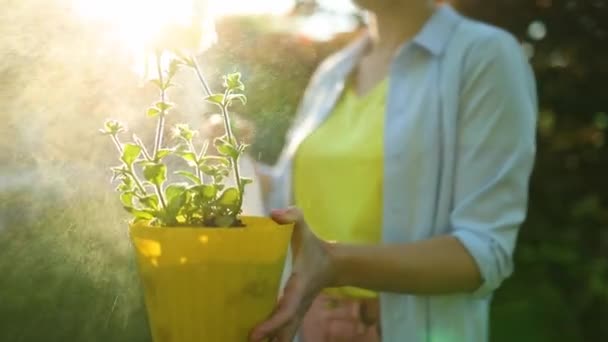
{"x": 312, "y": 271}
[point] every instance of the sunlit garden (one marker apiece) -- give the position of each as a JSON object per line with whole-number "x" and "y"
{"x": 68, "y": 271}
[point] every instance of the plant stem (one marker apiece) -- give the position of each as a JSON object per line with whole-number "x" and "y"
{"x": 161, "y": 117}
{"x": 137, "y": 181}
{"x": 235, "y": 161}
{"x": 161, "y": 125}
{"x": 129, "y": 167}
{"x": 227, "y": 127}
{"x": 224, "y": 115}
{"x": 143, "y": 148}
{"x": 197, "y": 167}
{"x": 200, "y": 75}
{"x": 117, "y": 143}
{"x": 159, "y": 193}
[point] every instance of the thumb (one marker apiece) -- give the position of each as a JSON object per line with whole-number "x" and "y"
{"x": 289, "y": 215}
{"x": 292, "y": 215}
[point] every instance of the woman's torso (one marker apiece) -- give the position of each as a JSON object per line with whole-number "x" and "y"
{"x": 419, "y": 139}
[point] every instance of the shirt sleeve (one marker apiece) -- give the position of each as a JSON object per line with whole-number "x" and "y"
{"x": 495, "y": 155}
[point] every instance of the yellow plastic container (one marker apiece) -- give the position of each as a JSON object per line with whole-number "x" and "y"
{"x": 210, "y": 284}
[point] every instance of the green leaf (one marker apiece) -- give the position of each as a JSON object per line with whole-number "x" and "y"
{"x": 130, "y": 153}
{"x": 206, "y": 191}
{"x": 229, "y": 198}
{"x": 112, "y": 127}
{"x": 118, "y": 172}
{"x": 224, "y": 221}
{"x": 217, "y": 99}
{"x": 162, "y": 153}
{"x": 240, "y": 97}
{"x": 152, "y": 112}
{"x": 209, "y": 170}
{"x": 155, "y": 173}
{"x": 139, "y": 214}
{"x": 162, "y": 86}
{"x": 123, "y": 188}
{"x": 183, "y": 59}
{"x": 176, "y": 196}
{"x": 182, "y": 147}
{"x": 189, "y": 157}
{"x": 246, "y": 180}
{"x": 150, "y": 201}
{"x": 183, "y": 131}
{"x": 226, "y": 148}
{"x": 175, "y": 190}
{"x": 233, "y": 82}
{"x": 127, "y": 198}
{"x": 157, "y": 83}
{"x": 173, "y": 67}
{"x": 163, "y": 106}
{"x": 128, "y": 182}
{"x": 191, "y": 176}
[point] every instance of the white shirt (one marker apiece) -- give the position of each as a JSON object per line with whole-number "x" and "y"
{"x": 459, "y": 149}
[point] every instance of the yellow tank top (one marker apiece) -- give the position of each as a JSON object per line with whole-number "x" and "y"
{"x": 338, "y": 174}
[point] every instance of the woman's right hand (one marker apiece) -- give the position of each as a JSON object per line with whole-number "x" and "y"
{"x": 312, "y": 271}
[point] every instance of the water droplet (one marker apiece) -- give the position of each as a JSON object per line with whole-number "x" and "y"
{"x": 558, "y": 60}
{"x": 601, "y": 120}
{"x": 528, "y": 49}
{"x": 537, "y": 30}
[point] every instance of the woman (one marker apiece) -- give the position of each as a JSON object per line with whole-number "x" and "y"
{"x": 409, "y": 162}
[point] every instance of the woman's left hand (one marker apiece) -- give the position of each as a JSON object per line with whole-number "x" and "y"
{"x": 312, "y": 271}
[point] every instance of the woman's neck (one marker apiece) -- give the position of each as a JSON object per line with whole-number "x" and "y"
{"x": 391, "y": 27}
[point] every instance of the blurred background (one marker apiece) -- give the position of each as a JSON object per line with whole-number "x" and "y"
{"x": 66, "y": 268}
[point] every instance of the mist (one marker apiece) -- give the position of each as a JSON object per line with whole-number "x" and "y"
{"x": 64, "y": 248}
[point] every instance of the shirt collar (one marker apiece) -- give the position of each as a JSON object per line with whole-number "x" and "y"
{"x": 437, "y": 31}
{"x": 434, "y": 37}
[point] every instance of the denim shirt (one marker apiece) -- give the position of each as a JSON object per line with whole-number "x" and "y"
{"x": 459, "y": 146}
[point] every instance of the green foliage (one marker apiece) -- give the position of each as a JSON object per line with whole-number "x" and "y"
{"x": 217, "y": 99}
{"x": 130, "y": 154}
{"x": 184, "y": 132}
{"x": 155, "y": 173}
{"x": 153, "y": 112}
{"x": 201, "y": 201}
{"x": 112, "y": 127}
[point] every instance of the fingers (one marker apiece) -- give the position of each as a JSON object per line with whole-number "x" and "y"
{"x": 282, "y": 321}
{"x": 342, "y": 311}
{"x": 272, "y": 326}
{"x": 292, "y": 215}
{"x": 287, "y": 333}
{"x": 289, "y": 215}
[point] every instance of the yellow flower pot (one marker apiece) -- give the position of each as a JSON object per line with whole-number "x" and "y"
{"x": 210, "y": 284}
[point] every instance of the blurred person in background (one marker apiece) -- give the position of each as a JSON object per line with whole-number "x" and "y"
{"x": 406, "y": 173}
